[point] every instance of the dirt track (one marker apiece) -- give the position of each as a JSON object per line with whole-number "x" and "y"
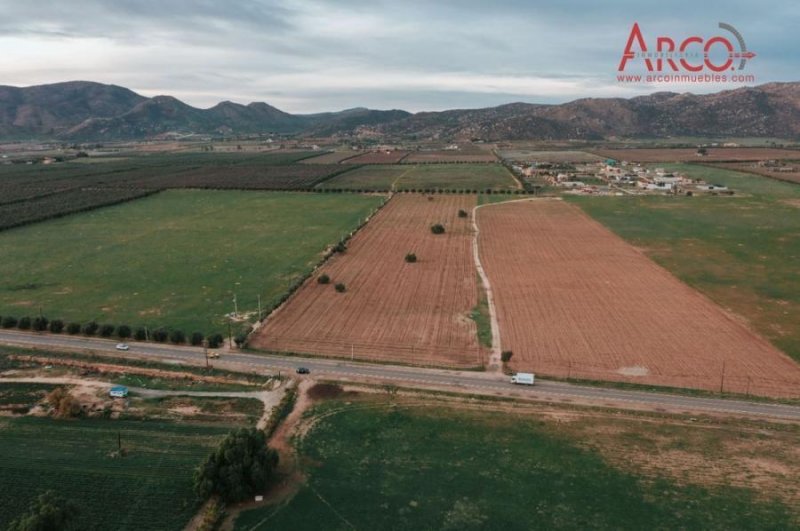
{"x": 575, "y": 300}
{"x": 392, "y": 310}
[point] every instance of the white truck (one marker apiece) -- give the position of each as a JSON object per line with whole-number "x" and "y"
{"x": 523, "y": 378}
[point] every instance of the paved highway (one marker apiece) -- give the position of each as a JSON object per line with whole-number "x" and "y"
{"x": 458, "y": 381}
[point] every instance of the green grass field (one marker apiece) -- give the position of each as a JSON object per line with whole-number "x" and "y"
{"x": 150, "y": 488}
{"x": 741, "y": 251}
{"x": 382, "y": 467}
{"x": 425, "y": 176}
{"x": 174, "y": 259}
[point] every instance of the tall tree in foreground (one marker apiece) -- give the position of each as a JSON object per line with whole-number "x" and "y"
{"x": 49, "y": 512}
{"x": 239, "y": 468}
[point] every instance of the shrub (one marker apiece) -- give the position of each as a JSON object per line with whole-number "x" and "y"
{"x": 505, "y": 356}
{"x": 411, "y": 258}
{"x": 107, "y": 330}
{"x": 341, "y": 288}
{"x": 160, "y": 335}
{"x": 24, "y": 323}
{"x": 57, "y": 326}
{"x": 73, "y": 328}
{"x": 462, "y": 213}
{"x": 140, "y": 334}
{"x": 9, "y": 322}
{"x": 324, "y": 279}
{"x": 64, "y": 404}
{"x": 40, "y": 324}
{"x": 437, "y": 229}
{"x": 215, "y": 340}
{"x": 90, "y": 328}
{"x": 240, "y": 340}
{"x": 48, "y": 511}
{"x": 124, "y": 331}
{"x": 340, "y": 247}
{"x": 196, "y": 339}
{"x": 241, "y": 466}
{"x": 177, "y": 336}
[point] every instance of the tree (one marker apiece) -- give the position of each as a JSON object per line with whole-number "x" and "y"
{"x": 341, "y": 288}
{"x": 215, "y": 340}
{"x": 196, "y": 339}
{"x": 340, "y": 247}
{"x": 124, "y": 331}
{"x": 140, "y": 334}
{"x": 462, "y": 213}
{"x": 107, "y": 330}
{"x": 160, "y": 335}
{"x": 73, "y": 328}
{"x": 240, "y": 467}
{"x": 324, "y": 279}
{"x": 505, "y": 356}
{"x": 56, "y": 326}
{"x": 437, "y": 229}
{"x": 9, "y": 321}
{"x": 411, "y": 258}
{"x": 90, "y": 328}
{"x": 24, "y": 323}
{"x": 240, "y": 340}
{"x": 49, "y": 512}
{"x": 64, "y": 404}
{"x": 177, "y": 337}
{"x": 40, "y": 324}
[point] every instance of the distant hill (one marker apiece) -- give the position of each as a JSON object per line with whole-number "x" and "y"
{"x": 86, "y": 111}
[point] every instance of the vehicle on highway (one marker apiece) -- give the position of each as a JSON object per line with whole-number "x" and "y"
{"x": 523, "y": 378}
{"x": 213, "y": 354}
{"x": 303, "y": 370}
{"x": 122, "y": 346}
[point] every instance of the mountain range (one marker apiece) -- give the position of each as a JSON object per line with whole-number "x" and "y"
{"x": 87, "y": 111}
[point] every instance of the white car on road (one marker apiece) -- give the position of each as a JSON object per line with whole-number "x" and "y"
{"x": 122, "y": 346}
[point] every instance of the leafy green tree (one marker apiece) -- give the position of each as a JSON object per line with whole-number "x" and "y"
{"x": 24, "y": 323}
{"x": 49, "y": 512}
{"x": 56, "y": 326}
{"x": 160, "y": 335}
{"x": 240, "y": 467}
{"x": 9, "y": 321}
{"x": 40, "y": 324}
{"x": 341, "y": 288}
{"x": 107, "y": 330}
{"x": 140, "y": 334}
{"x": 324, "y": 279}
{"x": 90, "y": 328}
{"x": 505, "y": 356}
{"x": 215, "y": 340}
{"x": 411, "y": 258}
{"x": 437, "y": 228}
{"x": 462, "y": 213}
{"x": 196, "y": 339}
{"x": 124, "y": 331}
{"x": 73, "y": 328}
{"x": 177, "y": 337}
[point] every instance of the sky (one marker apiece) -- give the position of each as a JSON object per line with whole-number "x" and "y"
{"x": 311, "y": 56}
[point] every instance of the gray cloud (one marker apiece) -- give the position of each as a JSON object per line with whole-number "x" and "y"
{"x": 313, "y": 55}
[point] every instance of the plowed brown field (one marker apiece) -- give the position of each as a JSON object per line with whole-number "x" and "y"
{"x": 575, "y": 300}
{"x": 392, "y": 310}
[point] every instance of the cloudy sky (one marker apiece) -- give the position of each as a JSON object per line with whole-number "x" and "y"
{"x": 310, "y": 55}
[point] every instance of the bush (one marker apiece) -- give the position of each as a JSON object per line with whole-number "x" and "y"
{"x": 140, "y": 334}
{"x": 90, "y": 329}
{"x": 324, "y": 279}
{"x": 124, "y": 331}
{"x": 341, "y": 288}
{"x": 462, "y": 214}
{"x": 9, "y": 322}
{"x": 240, "y": 467}
{"x": 47, "y": 512}
{"x": 73, "y": 328}
{"x": 107, "y": 330}
{"x": 437, "y": 229}
{"x": 215, "y": 340}
{"x": 196, "y": 339}
{"x": 40, "y": 324}
{"x": 240, "y": 340}
{"x": 64, "y": 404}
{"x": 56, "y": 326}
{"x": 505, "y": 356}
{"x": 411, "y": 258}
{"x": 160, "y": 335}
{"x": 177, "y": 337}
{"x": 24, "y": 323}
{"x": 340, "y": 247}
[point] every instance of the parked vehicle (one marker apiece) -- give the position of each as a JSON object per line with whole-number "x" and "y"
{"x": 523, "y": 378}
{"x": 303, "y": 370}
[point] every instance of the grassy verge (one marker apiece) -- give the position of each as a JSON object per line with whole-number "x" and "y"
{"x": 483, "y": 322}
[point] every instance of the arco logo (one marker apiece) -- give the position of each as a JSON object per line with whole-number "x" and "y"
{"x": 692, "y": 54}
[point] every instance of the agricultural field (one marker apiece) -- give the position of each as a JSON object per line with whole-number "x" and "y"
{"x": 559, "y": 157}
{"x": 575, "y": 300}
{"x": 391, "y": 310}
{"x": 749, "y": 167}
{"x": 741, "y": 251}
{"x": 407, "y": 463}
{"x": 715, "y": 154}
{"x": 425, "y": 177}
{"x": 450, "y": 156}
{"x": 378, "y": 157}
{"x": 149, "y": 488}
{"x": 334, "y": 157}
{"x": 174, "y": 259}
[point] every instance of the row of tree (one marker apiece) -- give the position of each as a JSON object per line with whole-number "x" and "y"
{"x": 92, "y": 328}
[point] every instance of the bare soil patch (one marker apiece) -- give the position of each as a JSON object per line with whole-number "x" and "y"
{"x": 575, "y": 300}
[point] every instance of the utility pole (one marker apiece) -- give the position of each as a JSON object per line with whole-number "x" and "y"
{"x": 235, "y": 306}
{"x": 230, "y": 335}
{"x": 722, "y": 378}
